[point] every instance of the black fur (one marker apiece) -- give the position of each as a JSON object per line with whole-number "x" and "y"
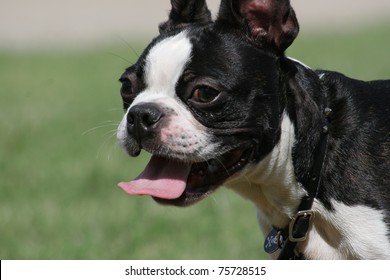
{"x": 241, "y": 55}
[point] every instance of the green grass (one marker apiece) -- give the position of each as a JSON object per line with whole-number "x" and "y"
{"x": 59, "y": 162}
{"x": 361, "y": 54}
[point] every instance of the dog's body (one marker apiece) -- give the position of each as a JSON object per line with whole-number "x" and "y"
{"x": 219, "y": 103}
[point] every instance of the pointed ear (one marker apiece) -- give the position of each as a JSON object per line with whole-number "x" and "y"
{"x": 270, "y": 22}
{"x": 186, "y": 12}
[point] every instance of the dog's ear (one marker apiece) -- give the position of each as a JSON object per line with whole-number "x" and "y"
{"x": 270, "y": 22}
{"x": 186, "y": 12}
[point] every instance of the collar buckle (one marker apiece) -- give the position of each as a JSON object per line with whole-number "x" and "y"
{"x": 298, "y": 228}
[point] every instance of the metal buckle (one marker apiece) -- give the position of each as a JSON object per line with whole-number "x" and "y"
{"x": 301, "y": 214}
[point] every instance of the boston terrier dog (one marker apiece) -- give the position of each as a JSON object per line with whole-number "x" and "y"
{"x": 218, "y": 103}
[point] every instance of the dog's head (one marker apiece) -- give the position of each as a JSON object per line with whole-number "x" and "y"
{"x": 204, "y": 98}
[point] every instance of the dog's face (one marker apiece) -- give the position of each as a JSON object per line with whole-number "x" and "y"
{"x": 203, "y": 100}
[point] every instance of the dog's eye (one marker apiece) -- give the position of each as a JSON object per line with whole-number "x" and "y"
{"x": 127, "y": 86}
{"x": 127, "y": 91}
{"x": 204, "y": 94}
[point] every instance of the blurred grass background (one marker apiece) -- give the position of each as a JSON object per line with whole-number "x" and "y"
{"x": 59, "y": 161}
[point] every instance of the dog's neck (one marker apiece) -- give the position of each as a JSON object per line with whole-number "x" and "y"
{"x": 273, "y": 183}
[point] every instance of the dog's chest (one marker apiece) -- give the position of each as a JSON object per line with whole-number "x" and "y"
{"x": 347, "y": 232}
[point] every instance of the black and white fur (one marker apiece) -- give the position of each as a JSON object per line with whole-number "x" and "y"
{"x": 222, "y": 96}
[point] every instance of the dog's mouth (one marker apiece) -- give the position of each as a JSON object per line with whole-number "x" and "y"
{"x": 175, "y": 182}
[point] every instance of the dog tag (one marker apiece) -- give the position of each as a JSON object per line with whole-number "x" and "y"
{"x": 271, "y": 243}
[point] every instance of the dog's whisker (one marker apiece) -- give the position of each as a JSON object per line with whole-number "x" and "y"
{"x": 105, "y": 142}
{"x": 130, "y": 47}
{"x": 223, "y": 165}
{"x": 248, "y": 181}
{"x": 112, "y": 131}
{"x": 98, "y": 127}
{"x": 115, "y": 109}
{"x": 214, "y": 199}
{"x": 114, "y": 146}
{"x": 120, "y": 57}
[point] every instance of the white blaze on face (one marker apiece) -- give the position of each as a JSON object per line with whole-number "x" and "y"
{"x": 164, "y": 65}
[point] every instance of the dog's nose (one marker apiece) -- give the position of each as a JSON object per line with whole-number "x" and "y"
{"x": 143, "y": 120}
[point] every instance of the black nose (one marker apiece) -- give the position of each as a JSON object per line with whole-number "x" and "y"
{"x": 143, "y": 120}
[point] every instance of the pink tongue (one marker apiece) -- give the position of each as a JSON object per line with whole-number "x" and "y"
{"x": 162, "y": 178}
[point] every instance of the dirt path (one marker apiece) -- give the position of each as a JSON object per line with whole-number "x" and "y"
{"x": 53, "y": 23}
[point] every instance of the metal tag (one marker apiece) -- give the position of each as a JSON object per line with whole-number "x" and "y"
{"x": 273, "y": 241}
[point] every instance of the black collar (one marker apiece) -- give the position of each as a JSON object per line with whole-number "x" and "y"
{"x": 296, "y": 231}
